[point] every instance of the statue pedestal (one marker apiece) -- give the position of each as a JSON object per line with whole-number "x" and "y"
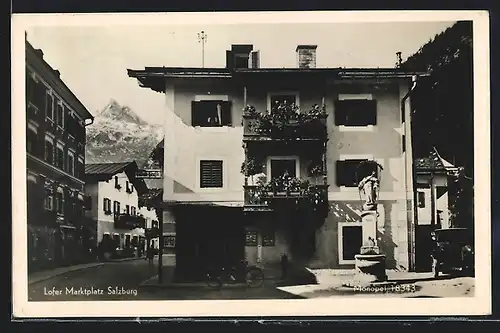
{"x": 369, "y": 264}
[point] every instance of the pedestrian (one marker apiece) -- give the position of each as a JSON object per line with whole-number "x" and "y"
{"x": 150, "y": 254}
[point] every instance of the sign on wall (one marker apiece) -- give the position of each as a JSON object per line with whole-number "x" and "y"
{"x": 149, "y": 174}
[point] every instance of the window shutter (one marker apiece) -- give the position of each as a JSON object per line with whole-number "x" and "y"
{"x": 210, "y": 174}
{"x": 255, "y": 59}
{"x": 195, "y": 115}
{"x": 226, "y": 113}
{"x": 229, "y": 59}
{"x": 339, "y": 177}
{"x": 372, "y": 111}
{"x": 340, "y": 113}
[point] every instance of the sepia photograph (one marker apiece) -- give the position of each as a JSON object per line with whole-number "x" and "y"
{"x": 251, "y": 164}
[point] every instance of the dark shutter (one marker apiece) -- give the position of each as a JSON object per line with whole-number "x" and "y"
{"x": 210, "y": 174}
{"x": 339, "y": 176}
{"x": 255, "y": 59}
{"x": 226, "y": 113}
{"x": 195, "y": 113}
{"x": 229, "y": 59}
{"x": 371, "y": 110}
{"x": 340, "y": 113}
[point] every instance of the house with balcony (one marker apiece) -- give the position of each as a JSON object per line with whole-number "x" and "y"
{"x": 265, "y": 162}
{"x": 115, "y": 205}
{"x": 58, "y": 231}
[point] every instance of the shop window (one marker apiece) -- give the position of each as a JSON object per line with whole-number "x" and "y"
{"x": 211, "y": 113}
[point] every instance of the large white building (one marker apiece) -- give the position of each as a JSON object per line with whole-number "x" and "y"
{"x": 115, "y": 203}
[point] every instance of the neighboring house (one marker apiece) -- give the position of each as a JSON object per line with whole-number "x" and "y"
{"x": 223, "y": 216}
{"x": 432, "y": 203}
{"x": 58, "y": 232}
{"x": 115, "y": 191}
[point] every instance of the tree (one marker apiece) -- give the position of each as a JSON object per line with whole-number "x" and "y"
{"x": 442, "y": 112}
{"x": 442, "y": 104}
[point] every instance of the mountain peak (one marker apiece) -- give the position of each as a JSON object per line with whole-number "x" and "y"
{"x": 114, "y": 111}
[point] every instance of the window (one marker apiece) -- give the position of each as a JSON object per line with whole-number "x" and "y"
{"x": 59, "y": 201}
{"x": 128, "y": 187}
{"x": 127, "y": 209}
{"x": 421, "y": 199}
{"x": 280, "y": 167}
{"x": 133, "y": 211}
{"x": 350, "y": 242}
{"x": 60, "y": 158}
{"x": 116, "y": 207}
{"x": 49, "y": 105}
{"x": 355, "y": 112}
{"x": 251, "y": 238}
{"x": 49, "y": 202}
{"x": 49, "y": 151}
{"x": 279, "y": 99}
{"x": 60, "y": 114}
{"x": 71, "y": 164}
{"x": 117, "y": 184}
{"x": 210, "y": 174}
{"x": 106, "y": 206}
{"x": 211, "y": 113}
{"x": 31, "y": 141}
{"x": 169, "y": 241}
{"x": 268, "y": 238}
{"x": 350, "y": 172}
{"x": 80, "y": 168}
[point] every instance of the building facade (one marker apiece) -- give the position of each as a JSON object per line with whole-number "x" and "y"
{"x": 58, "y": 231}
{"x": 248, "y": 175}
{"x": 114, "y": 193}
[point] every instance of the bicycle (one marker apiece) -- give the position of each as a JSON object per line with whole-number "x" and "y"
{"x": 251, "y": 275}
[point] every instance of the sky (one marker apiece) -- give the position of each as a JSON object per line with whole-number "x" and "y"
{"x": 93, "y": 60}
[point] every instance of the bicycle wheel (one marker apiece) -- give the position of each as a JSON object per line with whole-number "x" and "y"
{"x": 254, "y": 277}
{"x": 213, "y": 281}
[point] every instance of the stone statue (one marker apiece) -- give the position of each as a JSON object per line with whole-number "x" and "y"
{"x": 368, "y": 186}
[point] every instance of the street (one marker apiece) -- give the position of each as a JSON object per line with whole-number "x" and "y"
{"x": 121, "y": 280}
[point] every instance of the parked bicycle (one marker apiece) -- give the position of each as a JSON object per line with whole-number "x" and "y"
{"x": 251, "y": 275}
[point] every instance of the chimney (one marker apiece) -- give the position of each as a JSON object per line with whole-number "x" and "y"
{"x": 306, "y": 56}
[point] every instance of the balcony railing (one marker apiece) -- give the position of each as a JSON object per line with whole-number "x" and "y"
{"x": 285, "y": 123}
{"x": 129, "y": 222}
{"x": 264, "y": 196}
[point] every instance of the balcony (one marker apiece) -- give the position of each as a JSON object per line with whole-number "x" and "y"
{"x": 266, "y": 196}
{"x": 285, "y": 122}
{"x": 129, "y": 222}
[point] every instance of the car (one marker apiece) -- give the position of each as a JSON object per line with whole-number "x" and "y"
{"x": 453, "y": 250}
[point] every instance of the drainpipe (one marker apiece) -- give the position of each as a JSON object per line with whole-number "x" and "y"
{"x": 406, "y": 133}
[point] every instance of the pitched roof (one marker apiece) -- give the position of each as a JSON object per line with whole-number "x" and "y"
{"x": 434, "y": 162}
{"x": 105, "y": 169}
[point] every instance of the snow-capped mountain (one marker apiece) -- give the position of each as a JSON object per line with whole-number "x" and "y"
{"x": 119, "y": 135}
